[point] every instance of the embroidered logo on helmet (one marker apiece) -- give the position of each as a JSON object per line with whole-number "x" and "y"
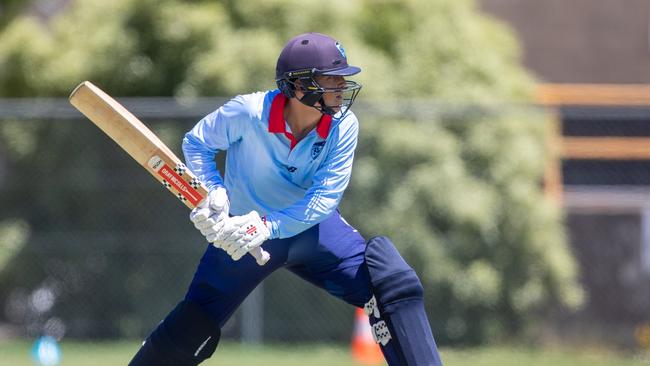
{"x": 341, "y": 49}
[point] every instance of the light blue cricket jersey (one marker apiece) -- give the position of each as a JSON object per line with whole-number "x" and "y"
{"x": 296, "y": 185}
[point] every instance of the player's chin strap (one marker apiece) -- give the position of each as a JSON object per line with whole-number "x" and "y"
{"x": 313, "y": 93}
{"x": 311, "y": 98}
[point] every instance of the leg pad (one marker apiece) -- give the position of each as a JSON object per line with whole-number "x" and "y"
{"x": 186, "y": 337}
{"x": 399, "y": 298}
{"x": 393, "y": 280}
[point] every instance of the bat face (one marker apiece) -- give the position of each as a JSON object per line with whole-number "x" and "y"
{"x": 139, "y": 142}
{"x": 143, "y": 146}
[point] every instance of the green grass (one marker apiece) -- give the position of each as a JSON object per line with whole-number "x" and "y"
{"x": 16, "y": 353}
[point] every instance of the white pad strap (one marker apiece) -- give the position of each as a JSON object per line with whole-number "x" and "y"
{"x": 371, "y": 308}
{"x": 380, "y": 333}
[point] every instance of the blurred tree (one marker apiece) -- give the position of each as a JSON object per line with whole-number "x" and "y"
{"x": 9, "y": 9}
{"x": 461, "y": 197}
{"x": 458, "y": 189}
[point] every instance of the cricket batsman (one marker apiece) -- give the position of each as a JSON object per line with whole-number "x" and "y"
{"x": 289, "y": 160}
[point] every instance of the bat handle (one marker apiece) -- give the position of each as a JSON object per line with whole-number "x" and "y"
{"x": 261, "y": 255}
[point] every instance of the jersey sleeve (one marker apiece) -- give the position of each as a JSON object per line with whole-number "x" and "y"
{"x": 217, "y": 131}
{"x": 322, "y": 198}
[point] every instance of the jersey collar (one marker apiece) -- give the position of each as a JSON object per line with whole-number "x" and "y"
{"x": 276, "y": 118}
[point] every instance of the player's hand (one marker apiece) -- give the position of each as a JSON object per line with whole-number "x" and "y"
{"x": 210, "y": 212}
{"x": 241, "y": 234}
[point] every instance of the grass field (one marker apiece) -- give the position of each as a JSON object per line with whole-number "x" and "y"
{"x": 16, "y": 353}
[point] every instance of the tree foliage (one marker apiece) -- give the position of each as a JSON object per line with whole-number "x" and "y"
{"x": 457, "y": 189}
{"x": 461, "y": 198}
{"x": 441, "y": 48}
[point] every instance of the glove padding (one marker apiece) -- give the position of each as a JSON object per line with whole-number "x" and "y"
{"x": 211, "y": 211}
{"x": 240, "y": 234}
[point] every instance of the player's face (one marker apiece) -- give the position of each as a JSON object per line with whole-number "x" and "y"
{"x": 335, "y": 98}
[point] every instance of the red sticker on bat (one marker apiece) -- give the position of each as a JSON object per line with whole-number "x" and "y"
{"x": 180, "y": 184}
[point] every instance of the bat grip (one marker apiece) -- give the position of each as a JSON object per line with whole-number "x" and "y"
{"x": 261, "y": 256}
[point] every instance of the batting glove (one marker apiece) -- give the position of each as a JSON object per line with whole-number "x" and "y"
{"x": 209, "y": 215}
{"x": 241, "y": 234}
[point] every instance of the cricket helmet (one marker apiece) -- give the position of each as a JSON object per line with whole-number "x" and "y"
{"x": 308, "y": 56}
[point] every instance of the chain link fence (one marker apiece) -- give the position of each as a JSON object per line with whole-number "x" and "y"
{"x": 86, "y": 234}
{"x": 607, "y": 205}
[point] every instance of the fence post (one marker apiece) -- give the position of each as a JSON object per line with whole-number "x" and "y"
{"x": 645, "y": 240}
{"x": 252, "y": 320}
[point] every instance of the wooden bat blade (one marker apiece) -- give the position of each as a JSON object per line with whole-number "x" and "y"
{"x": 143, "y": 146}
{"x": 117, "y": 122}
{"x": 139, "y": 142}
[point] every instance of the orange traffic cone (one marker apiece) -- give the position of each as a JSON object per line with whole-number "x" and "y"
{"x": 364, "y": 348}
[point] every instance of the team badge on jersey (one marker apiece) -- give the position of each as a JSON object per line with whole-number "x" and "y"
{"x": 316, "y": 149}
{"x": 341, "y": 49}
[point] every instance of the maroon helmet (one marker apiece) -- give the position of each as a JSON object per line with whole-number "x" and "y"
{"x": 307, "y": 56}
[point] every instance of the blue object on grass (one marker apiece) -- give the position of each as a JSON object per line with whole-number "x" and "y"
{"x": 46, "y": 351}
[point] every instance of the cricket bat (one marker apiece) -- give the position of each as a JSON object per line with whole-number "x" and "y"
{"x": 144, "y": 146}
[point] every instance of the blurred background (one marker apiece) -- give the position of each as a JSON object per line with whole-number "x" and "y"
{"x": 504, "y": 147}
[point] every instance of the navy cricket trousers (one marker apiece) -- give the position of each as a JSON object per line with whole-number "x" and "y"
{"x": 329, "y": 255}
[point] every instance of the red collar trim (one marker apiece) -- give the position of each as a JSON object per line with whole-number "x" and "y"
{"x": 323, "y": 127}
{"x": 276, "y": 117}
{"x": 277, "y": 124}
